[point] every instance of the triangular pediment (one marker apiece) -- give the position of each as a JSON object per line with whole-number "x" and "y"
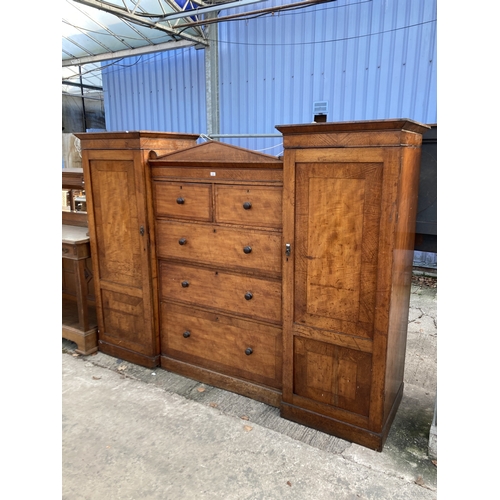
{"x": 215, "y": 153}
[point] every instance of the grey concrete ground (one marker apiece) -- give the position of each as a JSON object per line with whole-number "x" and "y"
{"x": 133, "y": 433}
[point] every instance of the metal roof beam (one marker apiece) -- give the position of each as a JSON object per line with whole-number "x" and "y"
{"x": 81, "y": 85}
{"x": 206, "y": 10}
{"x": 268, "y": 10}
{"x": 122, "y": 13}
{"x": 149, "y": 49}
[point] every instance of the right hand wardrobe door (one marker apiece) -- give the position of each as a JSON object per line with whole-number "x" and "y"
{"x": 349, "y": 205}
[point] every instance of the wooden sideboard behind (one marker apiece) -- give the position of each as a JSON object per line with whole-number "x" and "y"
{"x": 79, "y": 322}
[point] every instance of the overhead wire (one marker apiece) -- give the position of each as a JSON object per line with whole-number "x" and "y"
{"x": 274, "y": 44}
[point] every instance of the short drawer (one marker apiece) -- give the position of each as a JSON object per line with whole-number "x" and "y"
{"x": 228, "y": 345}
{"x": 255, "y": 298}
{"x": 184, "y": 200}
{"x": 75, "y": 251}
{"x": 216, "y": 245}
{"x": 249, "y": 205}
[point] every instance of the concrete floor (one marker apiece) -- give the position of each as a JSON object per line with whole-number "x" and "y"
{"x": 136, "y": 433}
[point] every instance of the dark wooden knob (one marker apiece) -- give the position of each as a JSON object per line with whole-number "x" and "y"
{"x": 247, "y": 249}
{"x": 186, "y": 334}
{"x": 180, "y": 201}
{"x": 182, "y": 241}
{"x": 185, "y": 284}
{"x": 248, "y": 295}
{"x": 248, "y": 351}
{"x": 247, "y": 205}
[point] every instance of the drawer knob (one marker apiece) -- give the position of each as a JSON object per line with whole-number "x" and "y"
{"x": 186, "y": 334}
{"x": 65, "y": 250}
{"x": 180, "y": 201}
{"x": 248, "y": 295}
{"x": 247, "y": 249}
{"x": 247, "y": 205}
{"x": 248, "y": 351}
{"x": 182, "y": 241}
{"x": 185, "y": 284}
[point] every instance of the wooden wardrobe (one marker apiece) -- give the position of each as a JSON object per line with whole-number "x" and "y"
{"x": 349, "y": 207}
{"x": 283, "y": 279}
{"x": 120, "y": 222}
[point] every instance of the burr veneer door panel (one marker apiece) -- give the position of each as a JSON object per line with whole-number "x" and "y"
{"x": 332, "y": 374}
{"x": 337, "y": 227}
{"x": 116, "y": 221}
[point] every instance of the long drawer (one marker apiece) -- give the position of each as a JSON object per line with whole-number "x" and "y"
{"x": 228, "y": 345}
{"x": 255, "y": 298}
{"x": 213, "y": 245}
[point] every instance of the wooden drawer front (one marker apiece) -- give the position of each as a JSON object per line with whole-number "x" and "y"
{"x": 75, "y": 251}
{"x": 222, "y": 290}
{"x": 249, "y": 205}
{"x": 250, "y": 249}
{"x": 183, "y": 200}
{"x": 227, "y": 345}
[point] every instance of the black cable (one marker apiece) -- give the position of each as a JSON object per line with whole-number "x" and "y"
{"x": 329, "y": 41}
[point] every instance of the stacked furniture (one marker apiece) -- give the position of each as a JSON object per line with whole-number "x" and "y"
{"x": 285, "y": 280}
{"x": 79, "y": 322}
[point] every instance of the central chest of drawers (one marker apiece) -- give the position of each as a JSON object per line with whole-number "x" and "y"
{"x": 218, "y": 230}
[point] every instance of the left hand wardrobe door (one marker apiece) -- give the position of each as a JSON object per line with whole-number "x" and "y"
{"x": 122, "y": 240}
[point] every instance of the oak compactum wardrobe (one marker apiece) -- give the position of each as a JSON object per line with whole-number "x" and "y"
{"x": 283, "y": 279}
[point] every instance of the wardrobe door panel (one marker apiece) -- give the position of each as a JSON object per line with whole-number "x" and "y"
{"x": 337, "y": 224}
{"x": 331, "y": 374}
